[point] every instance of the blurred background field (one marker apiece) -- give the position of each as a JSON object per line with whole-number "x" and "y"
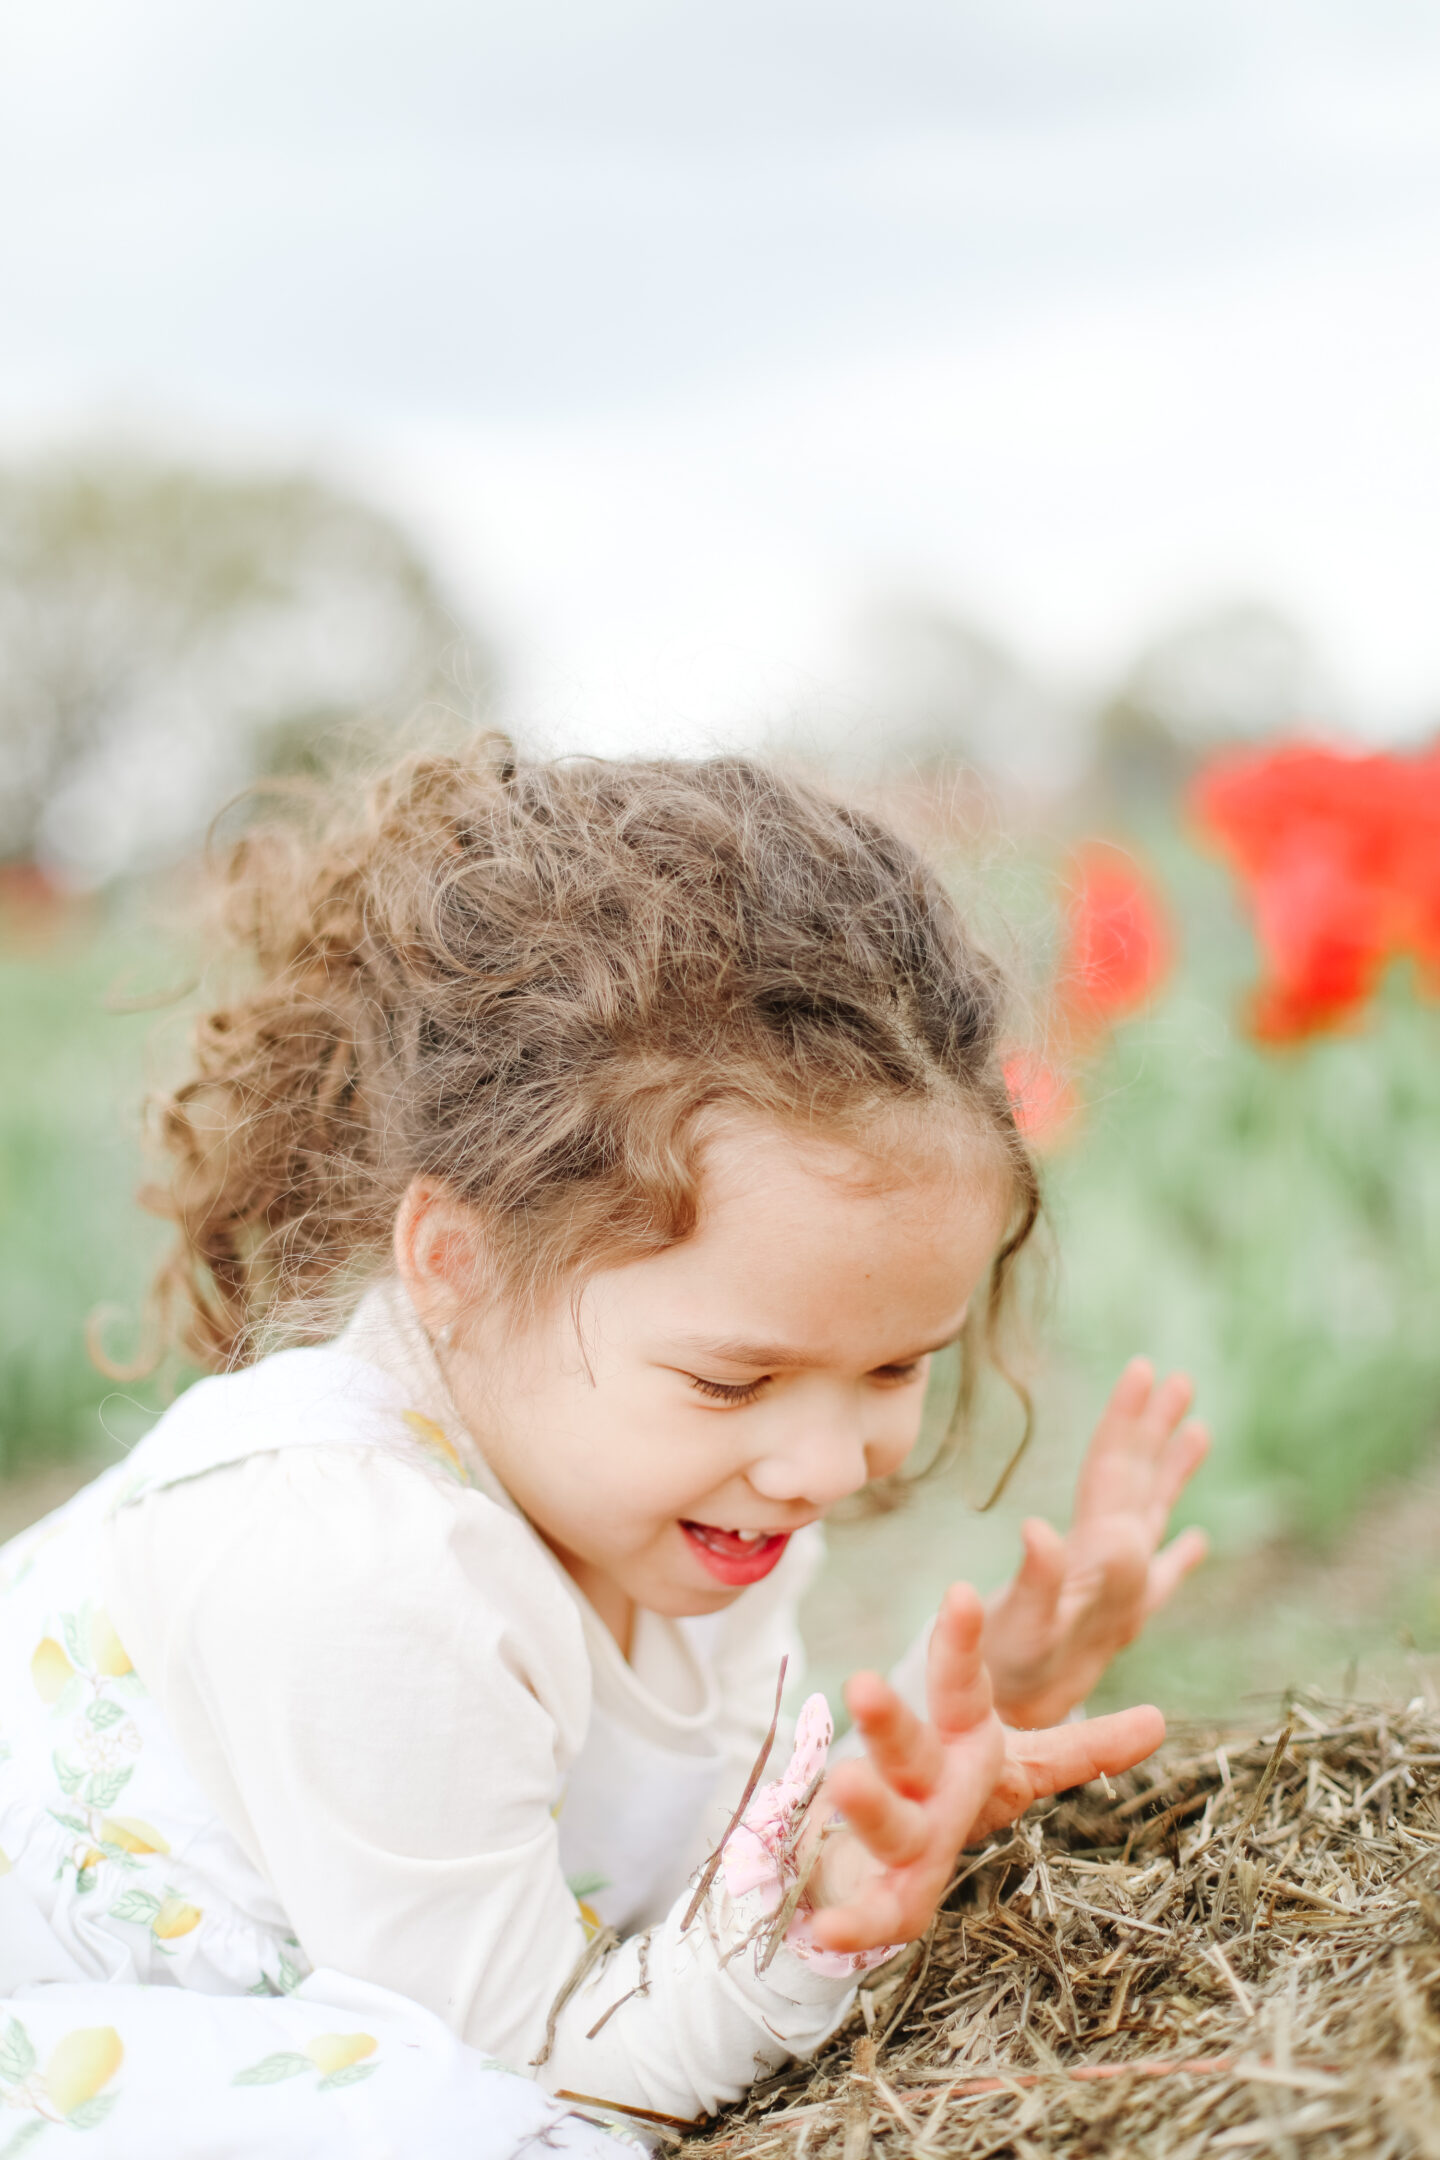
{"x": 1263, "y": 1217}
{"x": 1006, "y": 410}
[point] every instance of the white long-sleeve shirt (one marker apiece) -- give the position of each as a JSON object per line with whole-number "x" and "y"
{"x": 416, "y": 1727}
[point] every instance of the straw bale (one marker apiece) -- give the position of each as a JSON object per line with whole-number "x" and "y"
{"x": 1236, "y": 1950}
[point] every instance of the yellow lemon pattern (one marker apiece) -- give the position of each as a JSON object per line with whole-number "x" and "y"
{"x": 174, "y": 1918}
{"x": 582, "y": 1888}
{"x": 590, "y": 1919}
{"x": 70, "y": 2087}
{"x": 434, "y": 1439}
{"x": 78, "y": 2067}
{"x": 107, "y": 1652}
{"x": 131, "y": 1834}
{"x": 167, "y": 1915}
{"x": 338, "y": 2058}
{"x": 83, "y": 1672}
{"x": 337, "y": 2051}
{"x": 50, "y": 1670}
{"x": 102, "y": 1803}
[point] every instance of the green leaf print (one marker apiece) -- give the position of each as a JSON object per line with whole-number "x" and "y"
{"x": 273, "y": 2069}
{"x": 69, "y": 1822}
{"x": 70, "y": 1774}
{"x": 85, "y": 1880}
{"x": 105, "y": 1788}
{"x": 70, "y": 1697}
{"x": 103, "y": 1713}
{"x": 23, "y": 2139}
{"x": 586, "y": 1885}
{"x": 17, "y": 2056}
{"x": 137, "y": 1905}
{"x": 91, "y": 2113}
{"x": 350, "y": 2075}
{"x": 70, "y": 1622}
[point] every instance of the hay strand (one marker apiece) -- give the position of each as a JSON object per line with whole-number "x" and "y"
{"x": 1237, "y": 1949}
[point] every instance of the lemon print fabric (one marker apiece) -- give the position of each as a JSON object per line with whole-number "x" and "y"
{"x": 437, "y": 1444}
{"x": 69, "y": 2087}
{"x": 168, "y": 1917}
{"x": 50, "y": 1669}
{"x": 333, "y": 2058}
{"x": 85, "y": 1662}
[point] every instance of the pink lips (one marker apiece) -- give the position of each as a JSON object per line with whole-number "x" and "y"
{"x": 732, "y": 1558}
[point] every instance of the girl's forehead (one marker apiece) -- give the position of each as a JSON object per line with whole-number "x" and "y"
{"x": 916, "y": 1155}
{"x": 811, "y": 1247}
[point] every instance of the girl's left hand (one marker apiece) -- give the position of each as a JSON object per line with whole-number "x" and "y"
{"x": 927, "y": 1789}
{"x": 1078, "y": 1599}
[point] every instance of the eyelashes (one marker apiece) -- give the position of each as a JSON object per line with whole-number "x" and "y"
{"x": 737, "y": 1394}
{"x": 726, "y": 1392}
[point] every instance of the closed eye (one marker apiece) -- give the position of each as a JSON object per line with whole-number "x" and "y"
{"x": 900, "y": 1375}
{"x": 728, "y": 1391}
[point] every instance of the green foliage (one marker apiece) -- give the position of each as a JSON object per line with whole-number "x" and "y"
{"x": 1269, "y": 1221}
{"x": 72, "y": 1073}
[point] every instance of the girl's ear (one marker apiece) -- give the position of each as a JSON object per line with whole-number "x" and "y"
{"x": 440, "y": 1253}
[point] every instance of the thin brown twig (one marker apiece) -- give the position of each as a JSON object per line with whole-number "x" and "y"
{"x": 712, "y": 1866}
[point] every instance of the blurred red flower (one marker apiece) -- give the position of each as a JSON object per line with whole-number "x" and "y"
{"x": 1042, "y": 1098}
{"x": 1120, "y": 945}
{"x": 1117, "y": 952}
{"x": 1340, "y": 854}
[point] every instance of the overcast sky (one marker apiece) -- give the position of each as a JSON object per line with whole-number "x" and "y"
{"x": 682, "y": 332}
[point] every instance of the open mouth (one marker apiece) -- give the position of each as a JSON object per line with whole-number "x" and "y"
{"x": 735, "y": 1556}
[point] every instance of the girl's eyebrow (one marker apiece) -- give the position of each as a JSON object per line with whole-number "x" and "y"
{"x": 779, "y": 1357}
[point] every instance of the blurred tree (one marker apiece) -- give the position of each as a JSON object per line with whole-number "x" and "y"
{"x": 165, "y": 633}
{"x": 1233, "y": 674}
{"x": 950, "y": 694}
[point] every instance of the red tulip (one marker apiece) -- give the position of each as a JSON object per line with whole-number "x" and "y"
{"x": 1341, "y": 857}
{"x": 1120, "y": 944}
{"x": 1041, "y": 1098}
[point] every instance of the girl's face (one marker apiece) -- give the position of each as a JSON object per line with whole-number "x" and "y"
{"x": 715, "y": 1398}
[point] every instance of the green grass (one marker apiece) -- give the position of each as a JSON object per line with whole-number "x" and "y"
{"x": 72, "y": 1241}
{"x": 1270, "y": 1222}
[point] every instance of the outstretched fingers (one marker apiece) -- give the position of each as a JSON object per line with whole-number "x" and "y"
{"x": 1184, "y": 1452}
{"x": 957, "y": 1683}
{"x": 892, "y": 1828}
{"x": 906, "y": 1752}
{"x": 1170, "y": 1567}
{"x": 1034, "y": 1597}
{"x": 1130, "y": 1440}
{"x": 1066, "y": 1755}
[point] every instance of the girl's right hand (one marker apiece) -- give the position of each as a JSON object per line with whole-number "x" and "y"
{"x": 930, "y": 1789}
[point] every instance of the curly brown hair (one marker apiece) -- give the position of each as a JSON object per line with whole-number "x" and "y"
{"x": 531, "y": 981}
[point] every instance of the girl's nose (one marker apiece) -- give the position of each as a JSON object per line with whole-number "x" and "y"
{"x": 824, "y": 1461}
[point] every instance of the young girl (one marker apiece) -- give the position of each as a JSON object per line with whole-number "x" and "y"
{"x": 624, "y": 1140}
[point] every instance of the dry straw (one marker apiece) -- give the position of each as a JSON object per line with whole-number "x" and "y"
{"x": 1236, "y": 1952}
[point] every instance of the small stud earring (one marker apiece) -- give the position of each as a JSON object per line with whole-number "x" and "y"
{"x": 446, "y": 1336}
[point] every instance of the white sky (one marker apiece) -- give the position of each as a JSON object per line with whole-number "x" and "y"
{"x": 678, "y": 331}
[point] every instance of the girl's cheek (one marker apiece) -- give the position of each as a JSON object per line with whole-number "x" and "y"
{"x": 896, "y": 1443}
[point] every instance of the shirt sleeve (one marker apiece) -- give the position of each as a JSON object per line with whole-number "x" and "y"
{"x": 379, "y": 1683}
